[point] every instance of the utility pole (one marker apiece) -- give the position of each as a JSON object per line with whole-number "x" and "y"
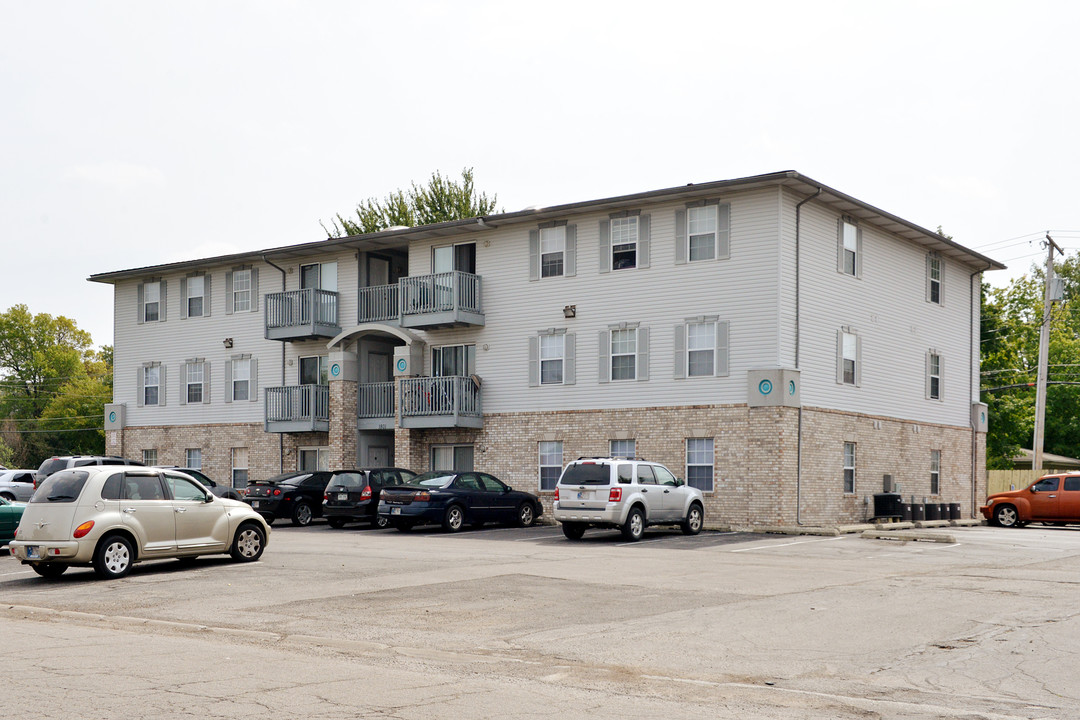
{"x": 1044, "y": 351}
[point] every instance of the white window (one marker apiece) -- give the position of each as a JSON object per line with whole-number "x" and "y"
{"x": 849, "y": 358}
{"x": 241, "y": 290}
{"x": 933, "y": 376}
{"x": 193, "y": 458}
{"x": 194, "y": 382}
{"x": 551, "y": 359}
{"x": 700, "y": 349}
{"x": 313, "y": 459}
{"x": 196, "y": 288}
{"x": 550, "y": 464}
{"x": 320, "y": 276}
{"x": 848, "y": 249}
{"x": 933, "y": 279}
{"x": 315, "y": 370}
{"x": 849, "y": 468}
{"x": 451, "y": 360}
{"x": 151, "y": 309}
{"x": 452, "y": 457}
{"x": 552, "y": 251}
{"x": 622, "y": 448}
{"x": 623, "y": 354}
{"x": 624, "y": 242}
{"x": 935, "y": 472}
{"x": 699, "y": 463}
{"x": 239, "y": 467}
{"x": 701, "y": 229}
{"x": 240, "y": 381}
{"x": 149, "y": 457}
{"x": 151, "y": 384}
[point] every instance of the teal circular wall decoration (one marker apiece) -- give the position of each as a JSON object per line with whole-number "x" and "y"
{"x": 982, "y": 416}
{"x": 402, "y": 365}
{"x": 765, "y": 387}
{"x": 335, "y": 369}
{"x": 112, "y": 416}
{"x": 791, "y": 387}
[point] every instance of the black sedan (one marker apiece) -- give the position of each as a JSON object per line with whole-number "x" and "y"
{"x": 297, "y": 496}
{"x": 453, "y": 499}
{"x": 353, "y": 495}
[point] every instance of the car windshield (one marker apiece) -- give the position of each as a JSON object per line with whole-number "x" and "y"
{"x": 432, "y": 479}
{"x": 348, "y": 480}
{"x": 586, "y": 474}
{"x": 61, "y": 487}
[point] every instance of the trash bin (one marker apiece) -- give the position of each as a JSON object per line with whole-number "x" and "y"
{"x": 918, "y": 512}
{"x": 905, "y": 512}
{"x": 933, "y": 511}
{"x": 954, "y": 511}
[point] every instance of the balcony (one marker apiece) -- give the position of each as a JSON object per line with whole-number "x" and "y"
{"x": 425, "y": 301}
{"x": 301, "y": 315}
{"x": 375, "y": 406}
{"x": 440, "y": 402}
{"x": 297, "y": 408}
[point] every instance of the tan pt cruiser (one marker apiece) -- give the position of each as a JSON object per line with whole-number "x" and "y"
{"x": 111, "y": 517}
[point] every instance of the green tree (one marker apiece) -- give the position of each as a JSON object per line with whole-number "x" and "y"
{"x": 441, "y": 199}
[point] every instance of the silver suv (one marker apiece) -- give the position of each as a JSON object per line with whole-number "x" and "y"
{"x": 625, "y": 494}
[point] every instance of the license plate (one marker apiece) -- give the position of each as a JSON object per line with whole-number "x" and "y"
{"x": 33, "y": 552}
{"x": 395, "y": 511}
{"x": 254, "y": 503}
{"x": 343, "y": 496}
{"x": 581, "y": 496}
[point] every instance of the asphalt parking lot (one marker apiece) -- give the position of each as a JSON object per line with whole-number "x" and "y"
{"x": 506, "y": 622}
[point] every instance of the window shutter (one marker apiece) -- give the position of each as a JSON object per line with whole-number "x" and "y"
{"x": 570, "y": 256}
{"x": 139, "y": 307}
{"x": 941, "y": 378}
{"x": 643, "y": 241}
{"x": 643, "y": 354}
{"x": 534, "y": 254}
{"x": 605, "y": 356}
{"x": 206, "y": 296}
{"x": 926, "y": 375}
{"x": 228, "y": 381}
{"x": 206, "y": 383}
{"x": 840, "y": 245}
{"x": 228, "y": 293}
{"x": 723, "y": 349}
{"x": 164, "y": 305}
{"x": 139, "y": 384}
{"x": 605, "y": 246}
{"x": 254, "y": 289}
{"x": 858, "y": 253}
{"x": 840, "y": 356}
{"x": 928, "y": 261}
{"x": 569, "y": 372}
{"x": 723, "y": 231}
{"x": 941, "y": 282}
{"x": 253, "y": 384}
{"x": 858, "y": 361}
{"x": 680, "y": 237}
{"x": 163, "y": 382}
{"x": 183, "y": 298}
{"x": 183, "y": 375}
{"x": 679, "y": 343}
{"x": 534, "y": 361}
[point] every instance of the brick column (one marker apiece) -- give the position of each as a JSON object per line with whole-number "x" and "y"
{"x": 343, "y": 398}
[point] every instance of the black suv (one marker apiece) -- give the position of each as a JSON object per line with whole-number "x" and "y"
{"x": 296, "y": 495}
{"x": 63, "y": 462}
{"x": 353, "y": 495}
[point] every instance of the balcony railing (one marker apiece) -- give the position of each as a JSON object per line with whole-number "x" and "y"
{"x": 436, "y": 402}
{"x": 425, "y": 301}
{"x": 297, "y": 408}
{"x": 301, "y": 314}
{"x": 375, "y": 406}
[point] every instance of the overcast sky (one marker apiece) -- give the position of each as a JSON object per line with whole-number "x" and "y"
{"x": 139, "y": 133}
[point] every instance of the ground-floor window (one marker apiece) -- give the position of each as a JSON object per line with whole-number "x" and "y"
{"x": 849, "y": 468}
{"x": 239, "y": 467}
{"x": 314, "y": 458}
{"x": 935, "y": 472}
{"x": 452, "y": 457}
{"x": 699, "y": 463}
{"x": 149, "y": 457}
{"x": 622, "y": 448}
{"x": 193, "y": 458}
{"x": 550, "y": 464}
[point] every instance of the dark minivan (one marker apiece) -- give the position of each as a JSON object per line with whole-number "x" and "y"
{"x": 353, "y": 495}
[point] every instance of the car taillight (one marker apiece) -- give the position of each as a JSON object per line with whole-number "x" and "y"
{"x": 614, "y": 494}
{"x": 277, "y": 491}
{"x": 556, "y": 493}
{"x": 366, "y": 495}
{"x": 325, "y": 497}
{"x": 422, "y": 496}
{"x": 83, "y": 529}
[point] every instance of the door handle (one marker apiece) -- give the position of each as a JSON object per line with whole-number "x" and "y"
{"x": 129, "y": 510}
{"x": 180, "y": 510}
{"x": 666, "y": 492}
{"x": 1053, "y": 496}
{"x": 644, "y": 490}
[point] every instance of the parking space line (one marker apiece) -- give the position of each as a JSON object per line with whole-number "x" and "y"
{"x": 797, "y": 542}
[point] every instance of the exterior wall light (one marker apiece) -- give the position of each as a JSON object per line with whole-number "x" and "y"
{"x": 569, "y": 311}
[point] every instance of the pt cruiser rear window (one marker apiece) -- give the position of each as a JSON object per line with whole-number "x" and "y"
{"x": 62, "y": 487}
{"x": 586, "y": 474}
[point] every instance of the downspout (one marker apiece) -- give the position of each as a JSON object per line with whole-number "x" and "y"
{"x": 281, "y": 436}
{"x": 971, "y": 384}
{"x": 798, "y": 435}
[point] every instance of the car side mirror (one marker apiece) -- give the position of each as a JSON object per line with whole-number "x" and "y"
{"x": 209, "y": 498}
{"x": 1032, "y": 489}
{"x": 679, "y": 482}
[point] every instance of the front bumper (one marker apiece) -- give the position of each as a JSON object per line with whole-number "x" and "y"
{"x": 987, "y": 511}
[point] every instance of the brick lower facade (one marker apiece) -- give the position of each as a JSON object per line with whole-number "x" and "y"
{"x": 756, "y": 464}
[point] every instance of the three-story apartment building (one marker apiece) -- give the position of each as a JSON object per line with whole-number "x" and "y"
{"x": 786, "y": 348}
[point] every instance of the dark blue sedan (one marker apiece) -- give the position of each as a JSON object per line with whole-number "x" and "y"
{"x": 454, "y": 499}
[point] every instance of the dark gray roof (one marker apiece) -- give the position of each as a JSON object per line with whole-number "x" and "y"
{"x": 399, "y": 238}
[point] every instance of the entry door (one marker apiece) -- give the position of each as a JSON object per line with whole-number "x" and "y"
{"x": 378, "y": 271}
{"x": 378, "y": 455}
{"x": 379, "y": 367}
